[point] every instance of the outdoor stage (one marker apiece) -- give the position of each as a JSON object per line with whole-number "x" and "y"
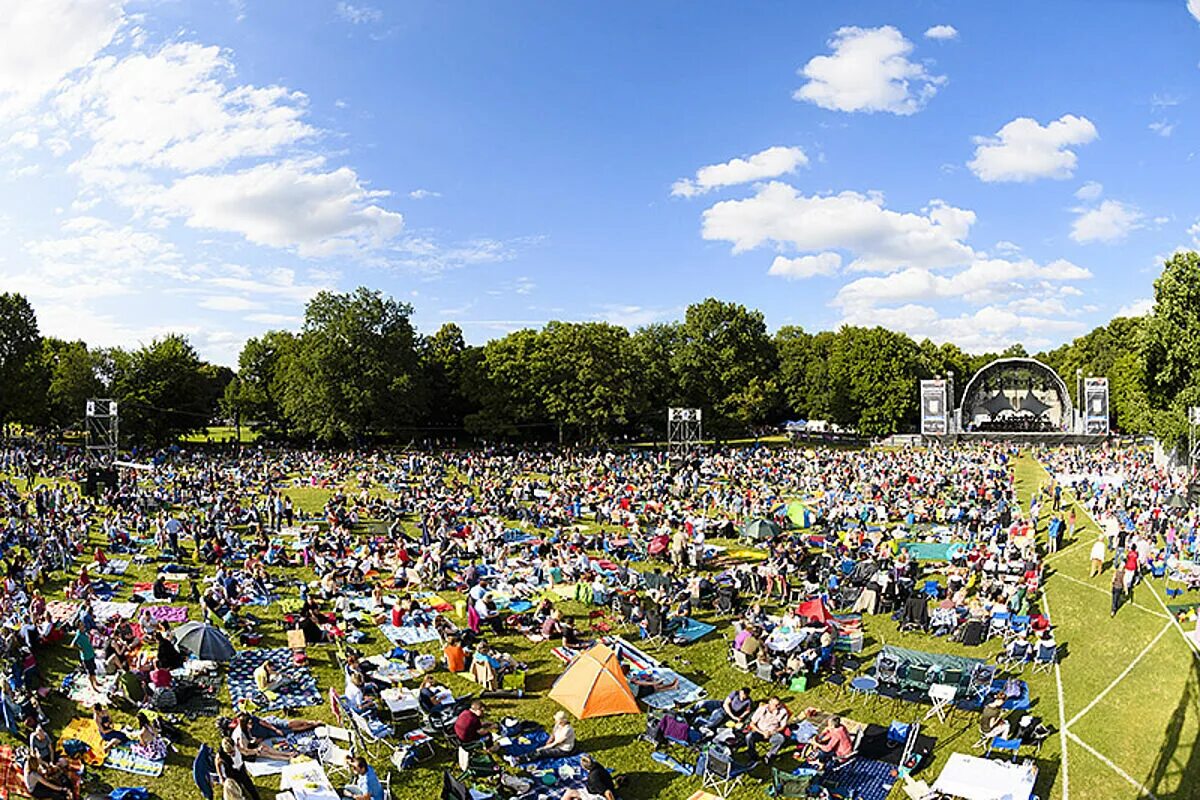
{"x": 1051, "y": 439}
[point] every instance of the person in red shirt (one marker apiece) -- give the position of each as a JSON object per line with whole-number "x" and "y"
{"x": 1131, "y": 567}
{"x": 470, "y": 726}
{"x": 834, "y": 743}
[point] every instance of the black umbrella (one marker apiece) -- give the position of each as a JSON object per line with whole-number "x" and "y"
{"x": 204, "y": 641}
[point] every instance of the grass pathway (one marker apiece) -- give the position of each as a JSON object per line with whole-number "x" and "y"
{"x": 1130, "y": 693}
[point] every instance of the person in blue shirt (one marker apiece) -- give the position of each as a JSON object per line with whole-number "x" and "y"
{"x": 367, "y": 787}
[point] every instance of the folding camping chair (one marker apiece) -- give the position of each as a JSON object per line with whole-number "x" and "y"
{"x": 476, "y": 764}
{"x": 741, "y": 660}
{"x": 981, "y": 681}
{"x": 1016, "y": 656}
{"x": 1017, "y": 625}
{"x": 998, "y": 624}
{"x": 718, "y": 769}
{"x": 785, "y": 784}
{"x": 372, "y": 734}
{"x": 1045, "y": 658}
{"x": 1012, "y": 746}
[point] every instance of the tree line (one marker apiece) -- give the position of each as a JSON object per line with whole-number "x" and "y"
{"x": 358, "y": 370}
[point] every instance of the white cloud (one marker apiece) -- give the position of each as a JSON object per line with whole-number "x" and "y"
{"x": 633, "y": 317}
{"x": 1138, "y": 308}
{"x": 1193, "y": 7}
{"x": 1111, "y": 221}
{"x": 1162, "y": 128}
{"x": 44, "y": 41}
{"x": 806, "y": 266}
{"x": 1023, "y": 150}
{"x": 868, "y": 71}
{"x": 942, "y": 32}
{"x": 229, "y": 302}
{"x": 984, "y": 281}
{"x": 988, "y": 329}
{"x": 290, "y": 205}
{"x": 1090, "y": 191}
{"x": 880, "y": 239}
{"x": 173, "y": 110}
{"x": 422, "y": 194}
{"x": 358, "y": 15}
{"x": 769, "y": 163}
{"x": 274, "y": 319}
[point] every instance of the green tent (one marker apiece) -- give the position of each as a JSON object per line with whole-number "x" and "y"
{"x": 799, "y": 514}
{"x": 757, "y": 530}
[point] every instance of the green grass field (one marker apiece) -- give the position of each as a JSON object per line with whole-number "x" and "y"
{"x": 1145, "y": 721}
{"x": 220, "y": 434}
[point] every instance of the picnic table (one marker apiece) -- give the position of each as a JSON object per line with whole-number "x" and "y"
{"x": 972, "y": 778}
{"x": 306, "y": 780}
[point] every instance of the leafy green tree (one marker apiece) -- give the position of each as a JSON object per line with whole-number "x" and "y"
{"x": 586, "y": 376}
{"x": 726, "y": 364}
{"x": 354, "y": 370}
{"x": 1171, "y": 346}
{"x": 502, "y": 383}
{"x": 73, "y": 376}
{"x": 445, "y": 358}
{"x": 22, "y": 379}
{"x": 874, "y": 375}
{"x": 652, "y": 349}
{"x": 257, "y": 394}
{"x": 164, "y": 391}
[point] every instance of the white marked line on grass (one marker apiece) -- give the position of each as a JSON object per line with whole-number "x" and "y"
{"x": 1108, "y": 593}
{"x": 1062, "y": 713}
{"x": 1107, "y": 762}
{"x": 1120, "y": 677}
{"x": 1191, "y": 643}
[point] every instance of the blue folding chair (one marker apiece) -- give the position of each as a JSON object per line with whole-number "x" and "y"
{"x": 932, "y": 589}
{"x": 1012, "y": 746}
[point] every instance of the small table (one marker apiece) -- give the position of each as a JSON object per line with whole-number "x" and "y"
{"x": 865, "y": 685}
{"x": 941, "y": 695}
{"x": 307, "y": 781}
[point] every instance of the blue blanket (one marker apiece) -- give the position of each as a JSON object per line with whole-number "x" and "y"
{"x": 690, "y": 630}
{"x": 301, "y": 690}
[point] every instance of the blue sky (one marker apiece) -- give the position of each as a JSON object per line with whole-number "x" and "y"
{"x": 976, "y": 173}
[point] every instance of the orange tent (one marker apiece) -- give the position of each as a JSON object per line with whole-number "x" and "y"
{"x": 594, "y": 686}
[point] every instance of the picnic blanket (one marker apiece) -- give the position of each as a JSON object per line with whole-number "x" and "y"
{"x": 932, "y": 551}
{"x": 861, "y": 778}
{"x": 124, "y": 759}
{"x": 683, "y": 693}
{"x": 300, "y": 691}
{"x": 434, "y": 601}
{"x": 63, "y": 612}
{"x": 84, "y": 729}
{"x": 79, "y": 688}
{"x": 170, "y": 614}
{"x": 690, "y": 630}
{"x": 108, "y": 609}
{"x": 115, "y": 566}
{"x": 408, "y": 635}
{"x": 12, "y": 780}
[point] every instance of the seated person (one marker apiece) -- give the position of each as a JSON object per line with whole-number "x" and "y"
{"x": 251, "y": 746}
{"x": 736, "y": 708}
{"x": 561, "y": 742}
{"x": 992, "y": 719}
{"x": 268, "y": 680}
{"x": 767, "y": 724}
{"x": 39, "y": 785}
{"x": 366, "y": 785}
{"x": 833, "y": 743}
{"x": 433, "y": 695}
{"x": 599, "y": 783}
{"x": 456, "y": 655}
{"x": 470, "y": 727}
{"x": 104, "y": 725}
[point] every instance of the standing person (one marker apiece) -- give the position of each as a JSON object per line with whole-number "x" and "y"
{"x": 1118, "y": 590}
{"x": 1099, "y": 554}
{"x": 1131, "y": 570}
{"x": 87, "y": 653}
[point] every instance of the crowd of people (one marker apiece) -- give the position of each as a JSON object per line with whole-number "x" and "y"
{"x": 631, "y": 531}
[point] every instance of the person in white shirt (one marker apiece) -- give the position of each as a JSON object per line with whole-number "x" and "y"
{"x": 1099, "y": 552}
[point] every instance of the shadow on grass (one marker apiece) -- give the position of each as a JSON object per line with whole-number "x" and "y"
{"x": 1177, "y": 768}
